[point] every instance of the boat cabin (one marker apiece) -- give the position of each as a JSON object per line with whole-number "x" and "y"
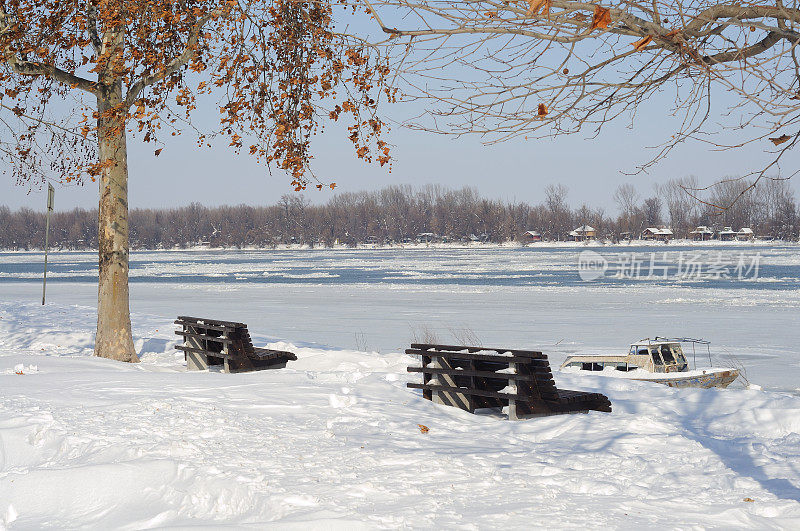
{"x": 651, "y": 356}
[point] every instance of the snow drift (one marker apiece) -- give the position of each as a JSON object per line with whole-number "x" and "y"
{"x": 333, "y": 441}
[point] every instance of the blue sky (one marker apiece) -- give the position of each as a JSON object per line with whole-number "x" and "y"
{"x": 517, "y": 169}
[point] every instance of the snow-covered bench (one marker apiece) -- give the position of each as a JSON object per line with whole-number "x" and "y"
{"x": 471, "y": 378}
{"x": 212, "y": 342}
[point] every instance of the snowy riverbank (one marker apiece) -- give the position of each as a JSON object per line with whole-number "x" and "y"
{"x": 333, "y": 441}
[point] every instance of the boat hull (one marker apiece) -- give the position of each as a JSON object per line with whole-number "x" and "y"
{"x": 720, "y": 379}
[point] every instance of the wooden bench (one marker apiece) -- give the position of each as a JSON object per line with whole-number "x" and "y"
{"x": 209, "y": 342}
{"x": 476, "y": 377}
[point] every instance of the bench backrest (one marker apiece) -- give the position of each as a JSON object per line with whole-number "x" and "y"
{"x": 531, "y": 364}
{"x": 479, "y": 377}
{"x": 238, "y": 337}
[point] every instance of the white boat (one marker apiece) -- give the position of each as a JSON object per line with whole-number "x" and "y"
{"x": 658, "y": 360}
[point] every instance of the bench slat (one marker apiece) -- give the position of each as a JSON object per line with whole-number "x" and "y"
{"x": 201, "y": 351}
{"x": 230, "y": 324}
{"x": 467, "y": 372}
{"x": 204, "y": 337}
{"x": 467, "y": 356}
{"x": 206, "y": 326}
{"x": 466, "y": 391}
{"x": 472, "y": 350}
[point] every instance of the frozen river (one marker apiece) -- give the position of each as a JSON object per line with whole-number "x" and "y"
{"x": 744, "y": 298}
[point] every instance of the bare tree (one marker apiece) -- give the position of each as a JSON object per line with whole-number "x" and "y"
{"x": 559, "y": 212}
{"x": 627, "y": 198}
{"x": 652, "y": 211}
{"x": 681, "y": 208}
{"x": 539, "y": 68}
{"x": 740, "y": 211}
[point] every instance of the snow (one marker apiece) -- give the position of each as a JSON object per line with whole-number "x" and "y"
{"x": 333, "y": 441}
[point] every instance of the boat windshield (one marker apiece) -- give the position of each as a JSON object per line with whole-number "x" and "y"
{"x": 656, "y": 357}
{"x": 666, "y": 353}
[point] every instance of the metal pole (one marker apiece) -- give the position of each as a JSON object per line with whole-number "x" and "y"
{"x": 50, "y": 195}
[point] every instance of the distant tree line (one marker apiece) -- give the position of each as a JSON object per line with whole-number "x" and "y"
{"x": 400, "y": 214}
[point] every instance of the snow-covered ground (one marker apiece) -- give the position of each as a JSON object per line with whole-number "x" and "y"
{"x": 333, "y": 441}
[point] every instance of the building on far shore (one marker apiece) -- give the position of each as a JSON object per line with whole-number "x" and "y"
{"x": 702, "y": 233}
{"x": 659, "y": 234}
{"x": 745, "y": 234}
{"x": 531, "y": 236}
{"x": 582, "y": 233}
{"x": 427, "y": 237}
{"x": 727, "y": 234}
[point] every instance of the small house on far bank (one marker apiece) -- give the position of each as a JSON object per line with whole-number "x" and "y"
{"x": 427, "y": 237}
{"x": 727, "y": 234}
{"x": 658, "y": 234}
{"x": 480, "y": 238}
{"x": 745, "y": 234}
{"x": 702, "y": 233}
{"x": 583, "y": 233}
{"x": 531, "y": 236}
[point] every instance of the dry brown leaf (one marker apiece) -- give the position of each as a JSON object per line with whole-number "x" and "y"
{"x": 566, "y": 71}
{"x": 423, "y": 428}
{"x": 536, "y": 5}
{"x": 780, "y": 140}
{"x": 542, "y": 109}
{"x": 748, "y": 500}
{"x": 158, "y": 151}
{"x": 601, "y": 19}
{"x": 641, "y": 43}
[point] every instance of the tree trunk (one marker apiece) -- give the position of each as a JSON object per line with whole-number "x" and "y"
{"x": 114, "y": 338}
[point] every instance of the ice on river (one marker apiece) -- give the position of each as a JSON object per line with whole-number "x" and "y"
{"x": 525, "y": 297}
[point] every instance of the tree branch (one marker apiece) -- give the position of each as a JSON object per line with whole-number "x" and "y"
{"x": 37, "y": 68}
{"x": 176, "y": 64}
{"x": 91, "y": 17}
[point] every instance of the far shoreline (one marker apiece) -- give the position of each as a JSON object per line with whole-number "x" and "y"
{"x": 448, "y": 246}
